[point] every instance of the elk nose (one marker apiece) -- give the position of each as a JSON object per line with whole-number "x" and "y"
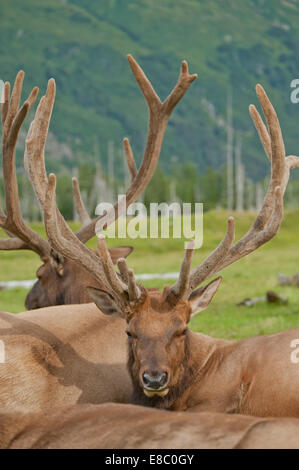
{"x": 155, "y": 380}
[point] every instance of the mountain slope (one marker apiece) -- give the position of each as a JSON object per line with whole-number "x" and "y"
{"x": 83, "y": 44}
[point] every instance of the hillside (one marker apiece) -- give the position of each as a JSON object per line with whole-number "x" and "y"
{"x": 83, "y": 44}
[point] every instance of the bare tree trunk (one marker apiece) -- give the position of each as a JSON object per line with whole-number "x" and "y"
{"x": 240, "y": 175}
{"x": 229, "y": 153}
{"x": 125, "y": 169}
{"x": 111, "y": 162}
{"x": 25, "y": 201}
{"x": 101, "y": 190}
{"x": 259, "y": 196}
{"x": 75, "y": 173}
{"x": 250, "y": 195}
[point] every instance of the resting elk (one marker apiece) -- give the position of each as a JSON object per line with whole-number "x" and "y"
{"x": 172, "y": 367}
{"x": 116, "y": 426}
{"x": 60, "y": 280}
{"x": 61, "y": 355}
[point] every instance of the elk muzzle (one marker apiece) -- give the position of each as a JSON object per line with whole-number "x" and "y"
{"x": 155, "y": 383}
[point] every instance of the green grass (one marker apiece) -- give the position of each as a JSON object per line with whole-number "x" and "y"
{"x": 249, "y": 277}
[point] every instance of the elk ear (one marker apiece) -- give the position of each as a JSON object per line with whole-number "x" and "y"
{"x": 57, "y": 262}
{"x": 104, "y": 301}
{"x": 200, "y": 298}
{"x": 120, "y": 252}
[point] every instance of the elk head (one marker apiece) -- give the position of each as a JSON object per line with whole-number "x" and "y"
{"x": 61, "y": 281}
{"x": 158, "y": 335}
{"x": 157, "y": 326}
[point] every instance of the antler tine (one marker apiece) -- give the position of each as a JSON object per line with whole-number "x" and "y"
{"x": 129, "y": 279}
{"x": 13, "y": 105}
{"x": 206, "y": 269}
{"x": 130, "y": 158}
{"x": 181, "y": 288}
{"x": 118, "y": 286}
{"x": 184, "y": 82}
{"x": 146, "y": 87}
{"x": 277, "y": 157}
{"x": 80, "y": 208}
{"x": 291, "y": 161}
{"x": 5, "y": 104}
{"x": 123, "y": 269}
{"x": 133, "y": 289}
{"x": 12, "y": 120}
{"x": 261, "y": 130}
{"x": 35, "y": 143}
{"x": 13, "y": 244}
{"x": 159, "y": 114}
{"x": 270, "y": 216}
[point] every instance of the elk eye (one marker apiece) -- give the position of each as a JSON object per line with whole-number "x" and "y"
{"x": 129, "y": 334}
{"x": 183, "y": 332}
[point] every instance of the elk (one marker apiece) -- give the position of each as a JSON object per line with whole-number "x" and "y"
{"x": 63, "y": 282}
{"x": 118, "y": 426}
{"x": 172, "y": 367}
{"x": 66, "y": 354}
{"x": 60, "y": 280}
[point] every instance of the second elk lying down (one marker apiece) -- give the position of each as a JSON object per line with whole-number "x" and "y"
{"x": 60, "y": 280}
{"x": 114, "y": 426}
{"x": 171, "y": 367}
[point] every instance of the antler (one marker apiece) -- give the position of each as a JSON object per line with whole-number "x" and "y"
{"x": 70, "y": 244}
{"x": 270, "y": 216}
{"x": 23, "y": 237}
{"x": 80, "y": 208}
{"x": 159, "y": 114}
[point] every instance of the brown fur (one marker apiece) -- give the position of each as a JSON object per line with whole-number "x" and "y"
{"x": 115, "y": 426}
{"x": 61, "y": 356}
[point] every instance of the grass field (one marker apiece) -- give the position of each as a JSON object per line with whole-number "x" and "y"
{"x": 249, "y": 277}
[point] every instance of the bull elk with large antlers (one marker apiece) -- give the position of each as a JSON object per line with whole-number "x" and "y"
{"x": 172, "y": 367}
{"x": 66, "y": 354}
{"x": 115, "y": 426}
